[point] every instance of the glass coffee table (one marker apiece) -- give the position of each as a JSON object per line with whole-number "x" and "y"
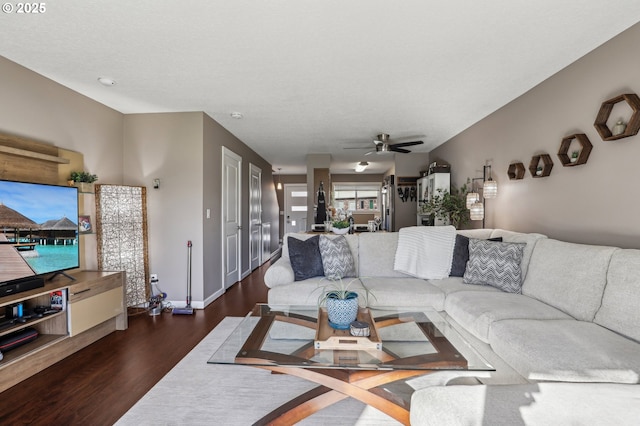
{"x": 403, "y": 343}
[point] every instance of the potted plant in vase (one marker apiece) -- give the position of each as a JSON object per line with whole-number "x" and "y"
{"x": 341, "y": 302}
{"x": 83, "y": 181}
{"x": 449, "y": 207}
{"x": 340, "y": 226}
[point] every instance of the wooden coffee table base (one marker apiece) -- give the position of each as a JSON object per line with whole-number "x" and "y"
{"x": 337, "y": 385}
{"x": 340, "y": 382}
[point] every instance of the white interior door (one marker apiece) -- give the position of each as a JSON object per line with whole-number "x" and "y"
{"x": 255, "y": 215}
{"x": 295, "y": 208}
{"x": 231, "y": 219}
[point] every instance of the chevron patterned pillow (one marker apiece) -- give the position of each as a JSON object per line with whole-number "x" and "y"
{"x": 496, "y": 264}
{"x": 337, "y": 260}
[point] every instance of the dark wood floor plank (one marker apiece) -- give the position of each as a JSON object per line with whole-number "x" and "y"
{"x": 101, "y": 382}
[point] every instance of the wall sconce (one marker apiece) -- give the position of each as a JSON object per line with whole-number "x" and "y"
{"x": 279, "y": 187}
{"x": 361, "y": 166}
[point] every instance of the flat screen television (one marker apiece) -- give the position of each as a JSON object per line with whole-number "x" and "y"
{"x": 38, "y": 233}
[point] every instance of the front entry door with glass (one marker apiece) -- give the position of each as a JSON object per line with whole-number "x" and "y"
{"x": 295, "y": 208}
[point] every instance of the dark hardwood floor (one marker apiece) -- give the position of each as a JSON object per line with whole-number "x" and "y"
{"x": 98, "y": 384}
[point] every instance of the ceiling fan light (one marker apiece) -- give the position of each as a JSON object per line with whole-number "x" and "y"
{"x": 361, "y": 166}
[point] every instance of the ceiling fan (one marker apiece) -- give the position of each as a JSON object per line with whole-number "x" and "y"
{"x": 383, "y": 145}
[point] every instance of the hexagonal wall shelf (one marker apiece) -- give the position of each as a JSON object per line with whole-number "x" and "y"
{"x": 516, "y": 171}
{"x": 547, "y": 165}
{"x": 605, "y": 111}
{"x": 585, "y": 150}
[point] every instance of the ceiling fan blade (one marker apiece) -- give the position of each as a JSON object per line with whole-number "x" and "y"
{"x": 370, "y": 152}
{"x": 356, "y": 147}
{"x": 408, "y": 143}
{"x": 402, "y": 150}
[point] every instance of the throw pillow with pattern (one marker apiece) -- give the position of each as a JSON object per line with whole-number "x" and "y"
{"x": 337, "y": 260}
{"x": 461, "y": 255}
{"x": 496, "y": 264}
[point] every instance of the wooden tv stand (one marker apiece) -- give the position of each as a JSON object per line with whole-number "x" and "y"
{"x": 94, "y": 307}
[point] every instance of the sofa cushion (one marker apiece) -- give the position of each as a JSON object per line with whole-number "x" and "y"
{"x": 531, "y": 404}
{"x": 304, "y": 293}
{"x": 337, "y": 261}
{"x": 569, "y": 276}
{"x": 530, "y": 239}
{"x": 566, "y": 350}
{"x": 620, "y": 309}
{"x": 403, "y": 292}
{"x": 476, "y": 311}
{"x": 496, "y": 264}
{"x": 461, "y": 255}
{"x": 376, "y": 254}
{"x": 454, "y": 284}
{"x": 305, "y": 258}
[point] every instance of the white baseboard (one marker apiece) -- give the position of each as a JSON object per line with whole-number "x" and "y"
{"x": 213, "y": 297}
{"x": 195, "y": 304}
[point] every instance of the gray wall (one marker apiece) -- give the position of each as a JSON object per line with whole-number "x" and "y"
{"x": 216, "y": 137}
{"x": 37, "y": 108}
{"x": 592, "y": 203}
{"x": 169, "y": 147}
{"x": 183, "y": 150}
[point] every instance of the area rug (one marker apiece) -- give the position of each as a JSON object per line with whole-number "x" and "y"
{"x": 197, "y": 393}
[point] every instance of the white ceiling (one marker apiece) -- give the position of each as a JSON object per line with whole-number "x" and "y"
{"x": 313, "y": 76}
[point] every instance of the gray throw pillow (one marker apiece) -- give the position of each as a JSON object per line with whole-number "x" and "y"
{"x": 461, "y": 255}
{"x": 496, "y": 264}
{"x": 305, "y": 258}
{"x": 337, "y": 260}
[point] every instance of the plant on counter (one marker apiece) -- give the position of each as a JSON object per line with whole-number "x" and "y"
{"x": 450, "y": 207}
{"x": 341, "y": 224}
{"x": 83, "y": 177}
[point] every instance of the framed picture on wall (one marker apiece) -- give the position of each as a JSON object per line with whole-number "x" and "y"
{"x": 84, "y": 224}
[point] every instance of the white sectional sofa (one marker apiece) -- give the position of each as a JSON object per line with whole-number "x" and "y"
{"x": 567, "y": 346}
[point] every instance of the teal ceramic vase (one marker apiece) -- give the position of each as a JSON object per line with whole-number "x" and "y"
{"x": 342, "y": 312}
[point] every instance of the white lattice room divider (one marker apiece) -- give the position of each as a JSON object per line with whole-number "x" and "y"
{"x": 121, "y": 227}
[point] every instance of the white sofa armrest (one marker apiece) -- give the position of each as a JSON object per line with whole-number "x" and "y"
{"x": 533, "y": 404}
{"x": 279, "y": 273}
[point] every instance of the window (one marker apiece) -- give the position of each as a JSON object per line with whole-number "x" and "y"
{"x": 356, "y": 197}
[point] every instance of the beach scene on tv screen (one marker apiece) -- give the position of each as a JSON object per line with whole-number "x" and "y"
{"x": 38, "y": 229}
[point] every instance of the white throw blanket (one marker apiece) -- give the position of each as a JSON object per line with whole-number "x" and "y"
{"x": 425, "y": 251}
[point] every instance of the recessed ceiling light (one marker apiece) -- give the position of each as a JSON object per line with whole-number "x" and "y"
{"x": 236, "y": 115}
{"x": 105, "y": 81}
{"x": 361, "y": 166}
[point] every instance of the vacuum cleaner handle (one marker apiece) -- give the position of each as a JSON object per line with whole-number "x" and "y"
{"x": 189, "y": 245}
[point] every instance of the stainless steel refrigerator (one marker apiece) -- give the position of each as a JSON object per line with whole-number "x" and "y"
{"x": 388, "y": 195}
